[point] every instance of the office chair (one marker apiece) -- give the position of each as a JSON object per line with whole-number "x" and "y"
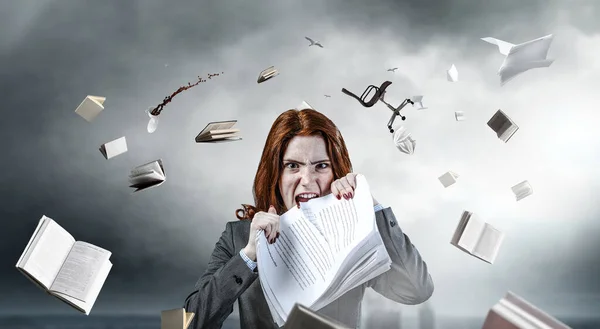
{"x": 379, "y": 96}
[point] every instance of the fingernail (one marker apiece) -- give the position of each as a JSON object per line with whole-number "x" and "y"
{"x": 345, "y": 196}
{"x": 339, "y": 197}
{"x": 277, "y": 235}
{"x": 350, "y": 195}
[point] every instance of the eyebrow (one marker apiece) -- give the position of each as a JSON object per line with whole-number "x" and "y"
{"x": 302, "y": 163}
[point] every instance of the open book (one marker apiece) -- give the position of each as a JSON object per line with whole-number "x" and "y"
{"x": 326, "y": 248}
{"x": 175, "y": 319}
{"x": 73, "y": 271}
{"x": 267, "y": 74}
{"x": 503, "y": 126}
{"x": 302, "y": 317}
{"x": 459, "y": 116}
{"x": 219, "y": 131}
{"x": 147, "y": 175}
{"x": 522, "y": 190}
{"x": 114, "y": 148}
{"x": 513, "y": 312}
{"x": 90, "y": 107}
{"x": 477, "y": 238}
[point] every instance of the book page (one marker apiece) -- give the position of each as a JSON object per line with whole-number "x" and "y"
{"x": 146, "y": 178}
{"x": 79, "y": 270}
{"x": 145, "y": 168}
{"x": 471, "y": 234}
{"x": 48, "y": 253}
{"x": 96, "y": 287}
{"x": 295, "y": 267}
{"x": 489, "y": 243}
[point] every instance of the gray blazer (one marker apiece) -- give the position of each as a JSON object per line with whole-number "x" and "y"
{"x": 228, "y": 279}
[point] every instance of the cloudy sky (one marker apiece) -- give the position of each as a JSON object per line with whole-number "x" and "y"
{"x": 135, "y": 53}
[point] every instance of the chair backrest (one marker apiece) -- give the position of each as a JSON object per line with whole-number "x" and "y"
{"x": 378, "y": 92}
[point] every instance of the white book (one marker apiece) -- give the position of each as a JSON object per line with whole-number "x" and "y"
{"x": 513, "y": 312}
{"x": 90, "y": 107}
{"x": 448, "y": 178}
{"x": 459, "y": 116}
{"x": 404, "y": 141}
{"x": 337, "y": 248}
{"x": 477, "y": 238}
{"x": 304, "y": 105}
{"x": 522, "y": 190}
{"x": 302, "y": 317}
{"x": 452, "y": 74}
{"x": 267, "y": 74}
{"x": 503, "y": 126}
{"x": 112, "y": 149}
{"x": 175, "y": 319}
{"x": 418, "y": 100}
{"x": 73, "y": 271}
{"x": 148, "y": 175}
{"x": 219, "y": 131}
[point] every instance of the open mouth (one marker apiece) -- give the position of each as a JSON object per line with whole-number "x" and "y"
{"x": 304, "y": 197}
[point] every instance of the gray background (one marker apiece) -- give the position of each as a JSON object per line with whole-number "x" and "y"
{"x": 54, "y": 53}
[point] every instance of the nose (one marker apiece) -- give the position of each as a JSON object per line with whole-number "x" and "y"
{"x": 307, "y": 176}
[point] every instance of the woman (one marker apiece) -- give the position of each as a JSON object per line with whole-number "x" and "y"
{"x": 304, "y": 157}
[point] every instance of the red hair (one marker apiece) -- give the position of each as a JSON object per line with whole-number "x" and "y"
{"x": 289, "y": 124}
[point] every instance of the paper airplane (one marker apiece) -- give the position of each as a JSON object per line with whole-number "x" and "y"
{"x": 114, "y": 148}
{"x": 404, "y": 141}
{"x": 303, "y": 106}
{"x": 90, "y": 107}
{"x": 522, "y": 57}
{"x": 419, "y": 100}
{"x": 459, "y": 116}
{"x": 452, "y": 74}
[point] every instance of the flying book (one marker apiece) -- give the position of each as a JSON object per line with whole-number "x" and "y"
{"x": 175, "y": 319}
{"x": 90, "y": 107}
{"x": 504, "y": 127}
{"x": 219, "y": 131}
{"x": 513, "y": 312}
{"x": 72, "y": 271}
{"x": 303, "y": 106}
{"x": 404, "y": 141}
{"x": 302, "y": 317}
{"x": 267, "y": 74}
{"x": 147, "y": 175}
{"x": 522, "y": 57}
{"x": 522, "y": 190}
{"x": 114, "y": 148}
{"x": 459, "y": 116}
{"x": 418, "y": 100}
{"x": 452, "y": 74}
{"x": 448, "y": 178}
{"x": 477, "y": 238}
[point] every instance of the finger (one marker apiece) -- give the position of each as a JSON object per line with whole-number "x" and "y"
{"x": 351, "y": 177}
{"x": 272, "y": 210}
{"x": 334, "y": 190}
{"x": 346, "y": 189}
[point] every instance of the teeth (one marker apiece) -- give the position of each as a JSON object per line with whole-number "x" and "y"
{"x": 307, "y": 195}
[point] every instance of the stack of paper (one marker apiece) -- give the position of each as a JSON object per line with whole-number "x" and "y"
{"x": 90, "y": 107}
{"x": 220, "y": 131}
{"x": 336, "y": 245}
{"x": 522, "y": 190}
{"x": 301, "y": 317}
{"x": 114, "y": 148}
{"x": 175, "y": 319}
{"x": 504, "y": 127}
{"x": 267, "y": 74}
{"x": 303, "y": 106}
{"x": 477, "y": 238}
{"x": 404, "y": 141}
{"x": 513, "y": 312}
{"x": 452, "y": 74}
{"x": 459, "y": 116}
{"x": 147, "y": 175}
{"x": 448, "y": 178}
{"x": 72, "y": 271}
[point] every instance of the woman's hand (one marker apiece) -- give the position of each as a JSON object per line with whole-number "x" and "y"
{"x": 267, "y": 221}
{"x": 344, "y": 187}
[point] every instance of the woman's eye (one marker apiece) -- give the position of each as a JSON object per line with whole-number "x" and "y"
{"x": 291, "y": 165}
{"x": 322, "y": 166}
